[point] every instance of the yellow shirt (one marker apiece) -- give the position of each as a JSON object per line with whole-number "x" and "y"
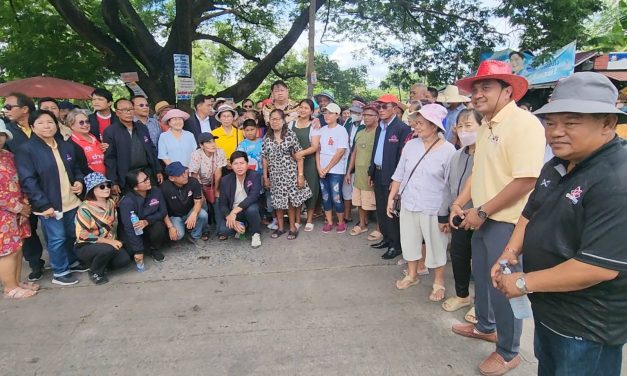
{"x": 69, "y": 200}
{"x": 228, "y": 143}
{"x": 621, "y": 130}
{"x": 510, "y": 146}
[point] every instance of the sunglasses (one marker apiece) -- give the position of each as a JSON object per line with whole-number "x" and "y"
{"x": 9, "y": 107}
{"x": 142, "y": 105}
{"x": 127, "y": 110}
{"x": 82, "y": 123}
{"x": 105, "y": 186}
{"x": 249, "y": 106}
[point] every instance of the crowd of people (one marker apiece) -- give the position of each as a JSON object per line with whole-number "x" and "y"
{"x": 444, "y": 172}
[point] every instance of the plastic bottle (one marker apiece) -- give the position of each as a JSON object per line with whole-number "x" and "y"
{"x": 134, "y": 220}
{"x": 520, "y": 305}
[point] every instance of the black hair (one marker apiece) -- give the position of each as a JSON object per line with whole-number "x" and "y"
{"x": 249, "y": 123}
{"x": 115, "y": 105}
{"x": 360, "y": 99}
{"x": 520, "y": 54}
{"x": 102, "y": 92}
{"x": 198, "y": 99}
{"x": 433, "y": 91}
{"x": 238, "y": 154}
{"x": 248, "y": 100}
{"x": 138, "y": 96}
{"x": 46, "y": 99}
{"x": 33, "y": 116}
{"x": 90, "y": 196}
{"x": 503, "y": 84}
{"x": 210, "y": 96}
{"x": 131, "y": 177}
{"x": 465, "y": 113}
{"x": 218, "y": 103}
{"x": 309, "y": 103}
{"x": 270, "y": 131}
{"x": 23, "y": 100}
{"x": 278, "y": 83}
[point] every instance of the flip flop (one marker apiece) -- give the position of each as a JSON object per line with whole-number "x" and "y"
{"x": 291, "y": 235}
{"x": 19, "y": 293}
{"x": 420, "y": 272}
{"x": 222, "y": 237}
{"x": 277, "y": 233}
{"x": 374, "y": 236}
{"x": 471, "y": 316}
{"x": 406, "y": 283}
{"x": 437, "y": 288}
{"x": 454, "y": 303}
{"x": 356, "y": 230}
{"x": 309, "y": 227}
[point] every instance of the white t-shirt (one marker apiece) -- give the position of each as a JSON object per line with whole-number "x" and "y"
{"x": 332, "y": 139}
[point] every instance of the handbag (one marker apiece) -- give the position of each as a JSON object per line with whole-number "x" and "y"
{"x": 396, "y": 201}
{"x": 210, "y": 193}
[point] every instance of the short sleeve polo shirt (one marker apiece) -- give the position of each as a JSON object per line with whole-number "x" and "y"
{"x": 180, "y": 200}
{"x": 510, "y": 146}
{"x": 582, "y": 215}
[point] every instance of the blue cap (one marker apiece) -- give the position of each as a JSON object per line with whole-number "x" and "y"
{"x": 175, "y": 169}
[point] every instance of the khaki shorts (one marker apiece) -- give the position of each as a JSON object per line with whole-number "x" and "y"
{"x": 364, "y": 199}
{"x": 416, "y": 227}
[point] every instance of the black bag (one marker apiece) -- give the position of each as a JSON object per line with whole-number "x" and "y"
{"x": 396, "y": 201}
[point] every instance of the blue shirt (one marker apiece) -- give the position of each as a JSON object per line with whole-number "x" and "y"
{"x": 253, "y": 149}
{"x": 378, "y": 153}
{"x": 154, "y": 129}
{"x": 177, "y": 150}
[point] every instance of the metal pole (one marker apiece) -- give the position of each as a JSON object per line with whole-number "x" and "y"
{"x": 310, "y": 50}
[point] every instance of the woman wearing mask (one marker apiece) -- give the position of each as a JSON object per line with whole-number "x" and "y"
{"x": 283, "y": 174}
{"x": 460, "y": 169}
{"x": 420, "y": 179}
{"x": 309, "y": 139}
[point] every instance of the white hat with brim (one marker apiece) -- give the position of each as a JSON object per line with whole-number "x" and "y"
{"x": 225, "y": 108}
{"x": 451, "y": 95}
{"x": 435, "y": 114}
{"x": 3, "y": 129}
{"x": 584, "y": 93}
{"x": 175, "y": 113}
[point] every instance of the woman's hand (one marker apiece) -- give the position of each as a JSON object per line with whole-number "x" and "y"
{"x": 456, "y": 211}
{"x": 322, "y": 173}
{"x": 77, "y": 187}
{"x": 115, "y": 244}
{"x": 299, "y": 155}
{"x": 445, "y": 228}
{"x": 26, "y": 210}
{"x": 48, "y": 213}
{"x": 140, "y": 225}
{"x": 104, "y": 146}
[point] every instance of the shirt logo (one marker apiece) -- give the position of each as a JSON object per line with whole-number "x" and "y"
{"x": 68, "y": 158}
{"x": 330, "y": 141}
{"x": 153, "y": 202}
{"x": 145, "y": 139}
{"x": 189, "y": 193}
{"x": 249, "y": 184}
{"x": 393, "y": 138}
{"x": 545, "y": 183}
{"x": 574, "y": 195}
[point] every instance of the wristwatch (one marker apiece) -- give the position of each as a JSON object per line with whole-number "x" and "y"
{"x": 482, "y": 214}
{"x": 521, "y": 285}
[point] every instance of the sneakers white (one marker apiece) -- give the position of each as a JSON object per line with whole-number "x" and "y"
{"x": 273, "y": 225}
{"x": 256, "y": 241}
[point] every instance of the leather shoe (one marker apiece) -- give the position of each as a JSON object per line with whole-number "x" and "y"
{"x": 380, "y": 245}
{"x": 392, "y": 253}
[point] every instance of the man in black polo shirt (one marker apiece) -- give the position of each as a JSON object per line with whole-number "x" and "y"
{"x": 573, "y": 235}
{"x": 183, "y": 196}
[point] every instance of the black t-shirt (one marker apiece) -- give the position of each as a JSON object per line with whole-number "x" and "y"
{"x": 582, "y": 215}
{"x": 180, "y": 200}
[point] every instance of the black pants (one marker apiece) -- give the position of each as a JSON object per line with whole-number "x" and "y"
{"x": 251, "y": 219}
{"x": 461, "y": 251}
{"x": 389, "y": 227}
{"x": 99, "y": 256}
{"x": 32, "y": 248}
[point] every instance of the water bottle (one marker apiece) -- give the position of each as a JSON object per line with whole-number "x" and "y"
{"x": 520, "y": 305}
{"x": 134, "y": 220}
{"x": 241, "y": 236}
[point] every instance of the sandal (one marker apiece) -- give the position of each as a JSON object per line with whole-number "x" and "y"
{"x": 205, "y": 236}
{"x": 454, "y": 303}
{"x": 29, "y": 286}
{"x": 19, "y": 293}
{"x": 435, "y": 292}
{"x": 406, "y": 283}
{"x": 222, "y": 237}
{"x": 277, "y": 233}
{"x": 309, "y": 227}
{"x": 291, "y": 235}
{"x": 420, "y": 272}
{"x": 358, "y": 230}
{"x": 375, "y": 236}
{"x": 471, "y": 316}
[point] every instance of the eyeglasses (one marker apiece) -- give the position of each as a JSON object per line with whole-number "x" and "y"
{"x": 127, "y": 110}
{"x": 82, "y": 123}
{"x": 387, "y": 106}
{"x": 105, "y": 186}
{"x": 9, "y": 107}
{"x": 147, "y": 179}
{"x": 142, "y": 105}
{"x": 370, "y": 115}
{"x": 247, "y": 106}
{"x": 276, "y": 119}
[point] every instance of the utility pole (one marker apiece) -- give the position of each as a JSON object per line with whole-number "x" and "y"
{"x": 311, "y": 77}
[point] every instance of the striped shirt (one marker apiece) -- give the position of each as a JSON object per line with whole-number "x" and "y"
{"x": 93, "y": 222}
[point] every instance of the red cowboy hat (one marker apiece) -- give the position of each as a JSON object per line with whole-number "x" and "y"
{"x": 496, "y": 70}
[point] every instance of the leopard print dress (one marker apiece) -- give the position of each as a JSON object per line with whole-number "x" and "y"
{"x": 283, "y": 171}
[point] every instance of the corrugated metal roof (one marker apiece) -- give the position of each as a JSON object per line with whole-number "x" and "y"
{"x": 616, "y": 75}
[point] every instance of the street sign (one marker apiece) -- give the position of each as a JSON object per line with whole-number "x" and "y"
{"x": 129, "y": 77}
{"x": 184, "y": 88}
{"x": 181, "y": 65}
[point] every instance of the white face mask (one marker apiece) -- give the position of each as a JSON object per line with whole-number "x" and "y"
{"x": 467, "y": 138}
{"x": 356, "y": 118}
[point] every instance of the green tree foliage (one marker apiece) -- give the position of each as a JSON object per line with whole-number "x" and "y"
{"x": 548, "y": 25}
{"x": 607, "y": 31}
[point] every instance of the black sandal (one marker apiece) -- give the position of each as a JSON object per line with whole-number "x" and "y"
{"x": 292, "y": 235}
{"x": 222, "y": 237}
{"x": 277, "y": 233}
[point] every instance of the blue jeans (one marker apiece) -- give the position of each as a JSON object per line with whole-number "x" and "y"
{"x": 201, "y": 221}
{"x": 251, "y": 218}
{"x": 331, "y": 188}
{"x": 60, "y": 236}
{"x": 561, "y": 355}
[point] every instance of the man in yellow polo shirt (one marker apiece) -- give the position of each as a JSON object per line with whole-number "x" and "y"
{"x": 508, "y": 158}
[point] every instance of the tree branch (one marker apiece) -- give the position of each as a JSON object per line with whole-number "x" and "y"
{"x": 228, "y": 45}
{"x": 208, "y": 16}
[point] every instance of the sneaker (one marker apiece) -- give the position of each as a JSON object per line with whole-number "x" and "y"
{"x": 35, "y": 275}
{"x": 327, "y": 228}
{"x": 273, "y": 225}
{"x": 79, "y": 268}
{"x": 66, "y": 280}
{"x": 341, "y": 228}
{"x": 99, "y": 279}
{"x": 256, "y": 241}
{"x": 157, "y": 255}
{"x": 139, "y": 265}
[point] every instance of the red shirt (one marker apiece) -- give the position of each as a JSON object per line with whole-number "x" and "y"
{"x": 103, "y": 123}
{"x": 93, "y": 152}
